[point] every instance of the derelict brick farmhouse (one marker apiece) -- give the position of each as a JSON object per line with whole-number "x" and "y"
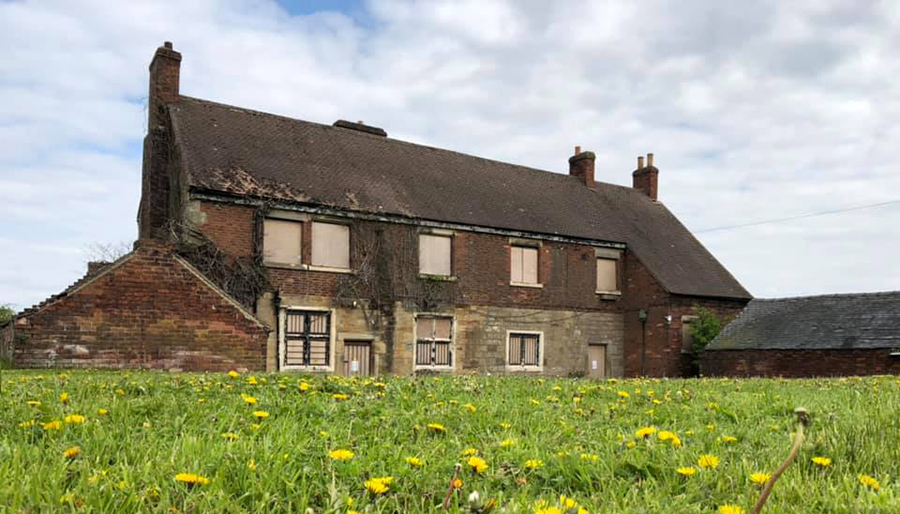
{"x": 846, "y": 334}
{"x": 362, "y": 254}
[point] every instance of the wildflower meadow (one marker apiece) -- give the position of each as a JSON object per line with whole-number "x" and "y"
{"x": 79, "y": 441}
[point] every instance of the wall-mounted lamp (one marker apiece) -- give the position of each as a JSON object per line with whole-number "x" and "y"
{"x": 668, "y": 319}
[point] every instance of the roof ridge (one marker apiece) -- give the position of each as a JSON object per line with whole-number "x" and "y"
{"x": 828, "y": 295}
{"x": 529, "y": 169}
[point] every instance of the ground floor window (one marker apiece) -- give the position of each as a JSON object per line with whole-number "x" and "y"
{"x": 524, "y": 349}
{"x": 434, "y": 341}
{"x": 307, "y": 338}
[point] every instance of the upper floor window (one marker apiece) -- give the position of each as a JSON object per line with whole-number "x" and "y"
{"x": 434, "y": 254}
{"x": 330, "y": 245}
{"x": 434, "y": 340}
{"x": 523, "y": 265}
{"x": 607, "y": 276}
{"x": 282, "y": 241}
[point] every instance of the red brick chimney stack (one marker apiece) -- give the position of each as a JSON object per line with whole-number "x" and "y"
{"x": 581, "y": 165}
{"x": 646, "y": 178}
{"x": 165, "y": 69}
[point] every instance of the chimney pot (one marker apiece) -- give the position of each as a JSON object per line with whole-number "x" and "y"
{"x": 168, "y": 44}
{"x": 646, "y": 179}
{"x": 577, "y": 149}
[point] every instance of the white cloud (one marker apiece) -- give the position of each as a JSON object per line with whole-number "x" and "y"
{"x": 756, "y": 110}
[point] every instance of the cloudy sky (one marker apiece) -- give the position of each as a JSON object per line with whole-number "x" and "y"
{"x": 755, "y": 111}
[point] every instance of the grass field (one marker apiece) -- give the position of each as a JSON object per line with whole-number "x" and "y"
{"x": 122, "y": 442}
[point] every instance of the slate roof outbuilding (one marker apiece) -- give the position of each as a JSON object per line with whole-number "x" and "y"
{"x": 831, "y": 322}
{"x": 235, "y": 151}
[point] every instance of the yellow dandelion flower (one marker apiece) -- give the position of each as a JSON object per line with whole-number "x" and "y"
{"x": 27, "y": 424}
{"x": 304, "y": 386}
{"x": 260, "y": 414}
{"x": 74, "y": 419}
{"x": 506, "y": 443}
{"x": 730, "y": 509}
{"x": 340, "y": 397}
{"x": 760, "y": 478}
{"x": 666, "y": 435}
{"x": 251, "y": 465}
{"x": 436, "y": 427}
{"x": 252, "y": 380}
{"x": 53, "y": 425}
{"x": 624, "y": 395}
{"x": 822, "y": 461}
{"x": 869, "y": 482}
{"x": 468, "y": 452}
{"x": 708, "y": 461}
{"x": 645, "y": 432}
{"x": 341, "y": 454}
{"x": 477, "y": 463}
{"x": 249, "y": 400}
{"x": 729, "y": 439}
{"x": 102, "y": 412}
{"x": 33, "y": 403}
{"x": 557, "y": 388}
{"x": 687, "y": 471}
{"x": 233, "y": 374}
{"x": 120, "y": 392}
{"x": 469, "y": 407}
{"x": 378, "y": 485}
{"x": 415, "y": 461}
{"x": 229, "y": 436}
{"x": 72, "y": 452}
{"x": 505, "y": 425}
{"x": 456, "y": 484}
{"x": 533, "y": 463}
{"x": 64, "y": 397}
{"x": 191, "y": 479}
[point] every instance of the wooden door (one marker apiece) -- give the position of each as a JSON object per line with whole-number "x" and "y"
{"x": 357, "y": 357}
{"x": 597, "y": 360}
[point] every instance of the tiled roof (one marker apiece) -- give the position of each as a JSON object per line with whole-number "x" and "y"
{"x": 236, "y": 151}
{"x": 848, "y": 321}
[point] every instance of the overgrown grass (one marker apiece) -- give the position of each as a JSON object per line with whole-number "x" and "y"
{"x": 582, "y": 432}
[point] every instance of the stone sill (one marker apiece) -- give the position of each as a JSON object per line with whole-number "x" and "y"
{"x": 609, "y": 295}
{"x": 525, "y": 284}
{"x": 438, "y": 278}
{"x": 309, "y": 267}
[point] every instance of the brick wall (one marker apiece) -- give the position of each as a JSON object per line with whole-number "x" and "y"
{"x": 658, "y": 341}
{"x": 148, "y": 311}
{"x": 799, "y": 363}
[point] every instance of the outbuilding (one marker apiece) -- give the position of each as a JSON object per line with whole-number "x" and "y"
{"x": 831, "y": 335}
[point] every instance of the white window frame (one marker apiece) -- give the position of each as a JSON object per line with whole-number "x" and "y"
{"x": 282, "y": 345}
{"x": 312, "y": 237}
{"x": 537, "y": 265}
{"x": 436, "y": 233}
{"x": 542, "y": 351}
{"x": 278, "y": 264}
{"x": 439, "y": 367}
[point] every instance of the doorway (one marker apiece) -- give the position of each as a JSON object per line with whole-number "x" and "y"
{"x": 597, "y": 360}
{"x": 357, "y": 358}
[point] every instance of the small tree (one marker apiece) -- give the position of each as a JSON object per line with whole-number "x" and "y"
{"x": 703, "y": 330}
{"x": 6, "y": 313}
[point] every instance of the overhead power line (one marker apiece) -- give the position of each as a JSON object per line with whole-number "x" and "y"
{"x": 800, "y": 216}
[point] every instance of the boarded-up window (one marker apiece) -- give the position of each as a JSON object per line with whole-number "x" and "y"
{"x": 434, "y": 336}
{"x": 307, "y": 338}
{"x": 330, "y": 245}
{"x": 281, "y": 241}
{"x": 524, "y": 349}
{"x": 434, "y": 254}
{"x": 523, "y": 265}
{"x": 606, "y": 275}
